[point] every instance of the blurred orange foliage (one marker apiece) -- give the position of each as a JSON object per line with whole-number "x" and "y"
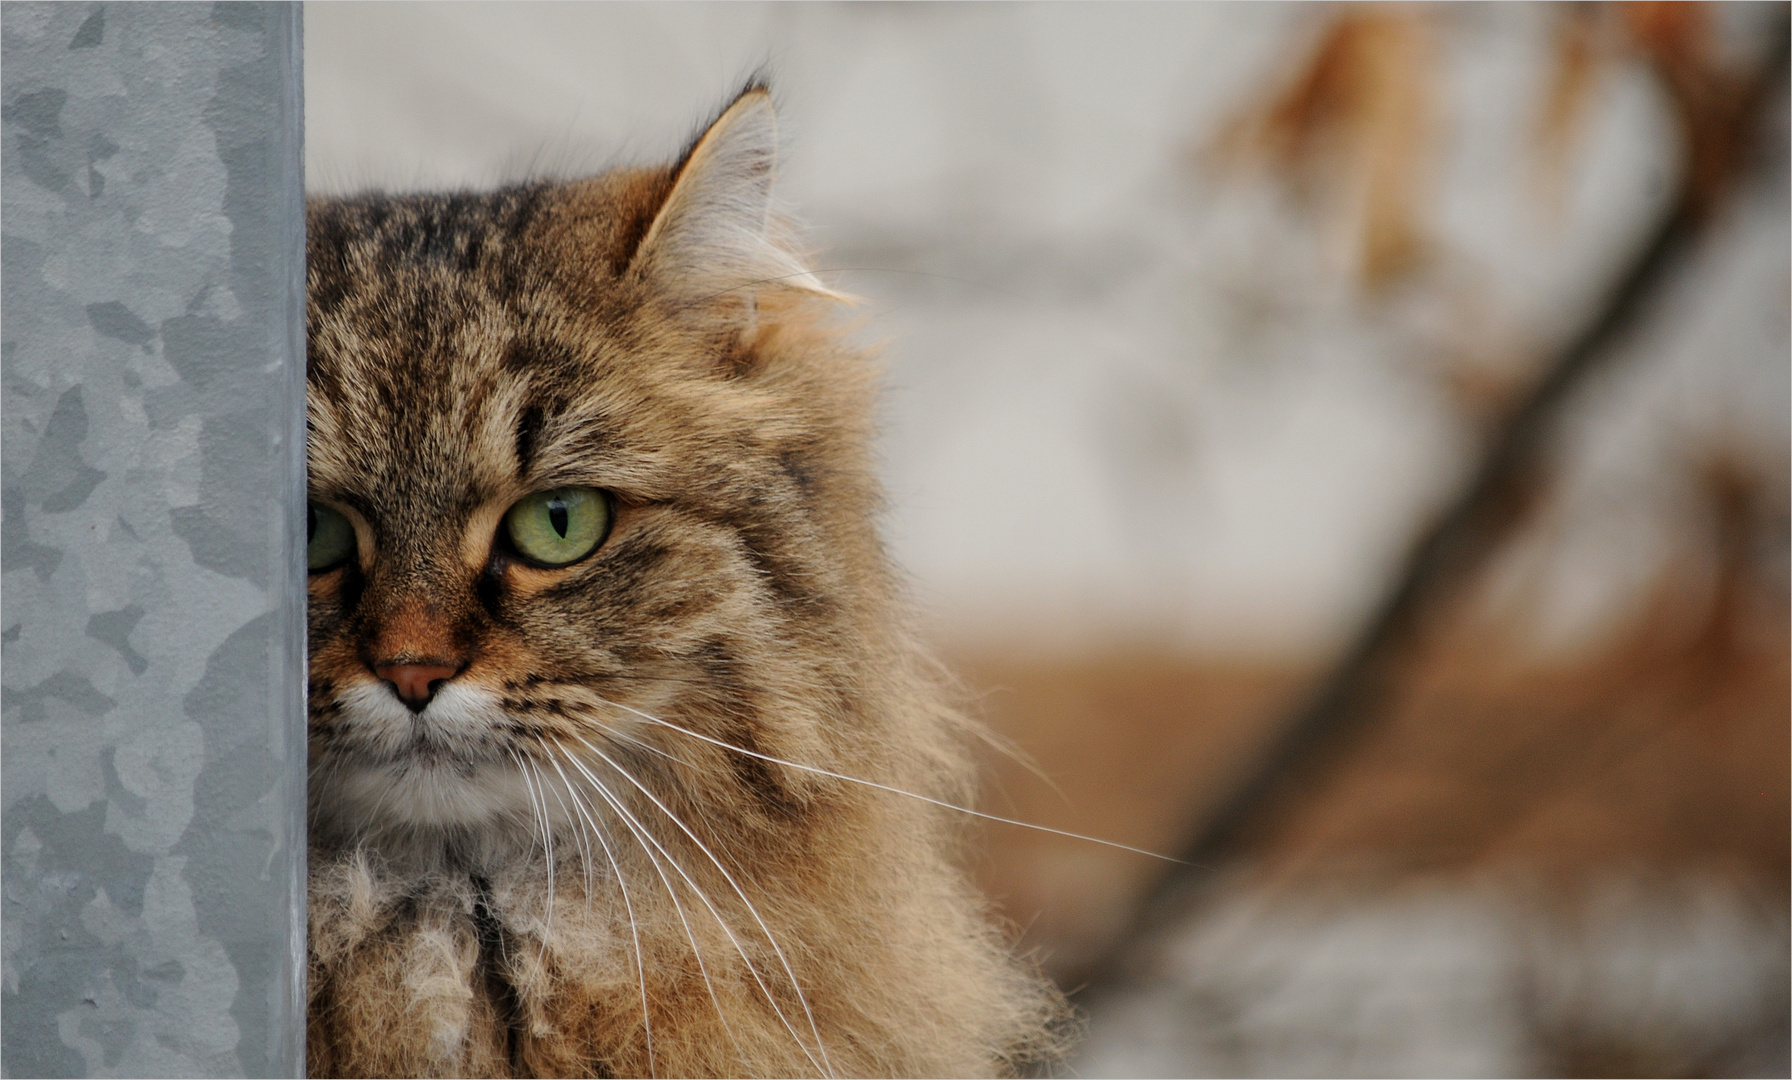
{"x": 1352, "y": 133}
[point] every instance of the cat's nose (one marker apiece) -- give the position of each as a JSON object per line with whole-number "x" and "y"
{"x": 415, "y": 684}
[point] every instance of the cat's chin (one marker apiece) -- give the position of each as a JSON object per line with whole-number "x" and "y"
{"x": 447, "y": 796}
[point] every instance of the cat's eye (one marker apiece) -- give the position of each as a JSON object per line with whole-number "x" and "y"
{"x": 558, "y": 527}
{"x": 329, "y": 538}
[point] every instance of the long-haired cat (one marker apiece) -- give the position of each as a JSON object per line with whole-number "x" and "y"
{"x": 616, "y": 729}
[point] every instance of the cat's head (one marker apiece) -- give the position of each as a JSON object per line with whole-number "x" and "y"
{"x": 581, "y": 455}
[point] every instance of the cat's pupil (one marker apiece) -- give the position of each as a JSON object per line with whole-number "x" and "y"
{"x": 557, "y": 516}
{"x": 310, "y": 523}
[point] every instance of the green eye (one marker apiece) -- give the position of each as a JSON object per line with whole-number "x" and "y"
{"x": 559, "y": 527}
{"x": 329, "y": 538}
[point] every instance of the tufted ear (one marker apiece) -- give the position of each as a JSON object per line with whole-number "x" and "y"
{"x": 716, "y": 231}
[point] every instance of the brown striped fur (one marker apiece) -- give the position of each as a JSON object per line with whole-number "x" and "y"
{"x": 648, "y": 332}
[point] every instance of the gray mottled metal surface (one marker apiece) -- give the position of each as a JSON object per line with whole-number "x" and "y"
{"x": 153, "y": 463}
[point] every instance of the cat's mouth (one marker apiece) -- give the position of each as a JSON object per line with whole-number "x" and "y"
{"x": 450, "y": 765}
{"x": 464, "y": 725}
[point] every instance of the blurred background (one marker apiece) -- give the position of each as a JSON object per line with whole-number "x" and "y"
{"x": 1343, "y": 446}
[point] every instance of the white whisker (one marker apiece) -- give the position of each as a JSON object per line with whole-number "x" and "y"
{"x": 538, "y": 813}
{"x": 646, "y": 839}
{"x": 634, "y": 929}
{"x": 892, "y": 790}
{"x": 581, "y": 835}
{"x": 534, "y": 811}
{"x": 825, "y": 1066}
{"x": 539, "y": 804}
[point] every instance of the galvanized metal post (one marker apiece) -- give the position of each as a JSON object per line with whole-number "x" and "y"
{"x": 152, "y": 478}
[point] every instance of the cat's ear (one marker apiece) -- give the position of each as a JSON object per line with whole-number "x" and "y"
{"x": 716, "y": 233}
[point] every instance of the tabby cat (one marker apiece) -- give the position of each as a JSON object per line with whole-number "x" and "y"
{"x": 623, "y": 761}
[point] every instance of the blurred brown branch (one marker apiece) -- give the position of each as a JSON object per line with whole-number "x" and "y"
{"x": 1718, "y": 111}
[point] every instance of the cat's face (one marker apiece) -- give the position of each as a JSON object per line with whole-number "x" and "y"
{"x": 566, "y": 476}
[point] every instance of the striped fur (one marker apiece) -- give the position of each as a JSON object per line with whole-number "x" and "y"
{"x": 619, "y": 842}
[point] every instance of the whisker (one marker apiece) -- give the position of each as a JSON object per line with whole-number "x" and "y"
{"x": 584, "y": 841}
{"x": 644, "y": 839}
{"x": 538, "y": 815}
{"x": 642, "y": 744}
{"x": 581, "y": 834}
{"x": 539, "y": 802}
{"x": 678, "y": 680}
{"x": 825, "y": 1066}
{"x": 892, "y": 790}
{"x": 634, "y": 929}
{"x": 534, "y": 811}
{"x": 585, "y": 855}
{"x": 714, "y": 912}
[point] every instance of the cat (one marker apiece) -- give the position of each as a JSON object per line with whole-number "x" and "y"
{"x": 623, "y": 759}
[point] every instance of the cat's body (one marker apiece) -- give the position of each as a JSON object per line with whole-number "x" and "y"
{"x": 592, "y": 818}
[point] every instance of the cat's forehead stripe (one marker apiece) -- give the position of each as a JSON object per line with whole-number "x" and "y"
{"x": 528, "y": 427}
{"x": 421, "y": 358}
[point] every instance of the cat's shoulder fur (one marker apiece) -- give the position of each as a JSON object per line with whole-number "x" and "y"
{"x": 622, "y": 838}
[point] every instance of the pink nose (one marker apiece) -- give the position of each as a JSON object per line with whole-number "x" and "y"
{"x": 416, "y": 683}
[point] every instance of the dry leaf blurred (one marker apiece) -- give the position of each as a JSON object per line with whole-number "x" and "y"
{"x": 1576, "y": 56}
{"x": 1352, "y": 136}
